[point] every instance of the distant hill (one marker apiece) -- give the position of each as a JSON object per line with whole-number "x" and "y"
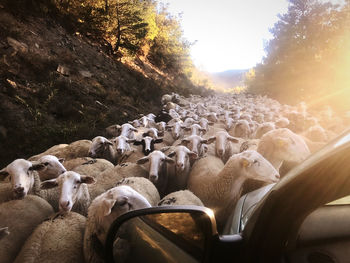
{"x": 229, "y": 78}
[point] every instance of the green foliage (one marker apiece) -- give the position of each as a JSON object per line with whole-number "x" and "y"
{"x": 308, "y": 55}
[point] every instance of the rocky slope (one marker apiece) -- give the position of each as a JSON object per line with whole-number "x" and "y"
{"x": 58, "y": 86}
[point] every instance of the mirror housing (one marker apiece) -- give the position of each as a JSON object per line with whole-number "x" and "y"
{"x": 189, "y": 230}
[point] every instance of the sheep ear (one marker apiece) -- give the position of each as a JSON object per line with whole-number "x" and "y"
{"x": 118, "y": 127}
{"x": 133, "y": 129}
{"x": 37, "y": 167}
{"x": 211, "y": 139}
{"x": 161, "y": 133}
{"x": 244, "y": 162}
{"x": 159, "y": 140}
{"x": 169, "y": 160}
{"x": 3, "y": 174}
{"x": 131, "y": 141}
{"x": 106, "y": 206}
{"x": 211, "y": 123}
{"x": 164, "y": 149}
{"x": 48, "y": 184}
{"x": 145, "y": 134}
{"x": 143, "y": 160}
{"x": 205, "y": 147}
{"x": 137, "y": 142}
{"x": 187, "y": 129}
{"x": 85, "y": 179}
{"x": 232, "y": 139}
{"x": 61, "y": 160}
{"x": 184, "y": 141}
{"x": 108, "y": 142}
{"x": 172, "y": 154}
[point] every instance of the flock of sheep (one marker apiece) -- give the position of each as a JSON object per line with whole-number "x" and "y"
{"x": 59, "y": 205}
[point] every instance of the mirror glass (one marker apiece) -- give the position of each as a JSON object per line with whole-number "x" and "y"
{"x": 162, "y": 237}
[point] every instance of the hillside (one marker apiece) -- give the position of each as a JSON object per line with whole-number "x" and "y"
{"x": 228, "y": 79}
{"x": 58, "y": 86}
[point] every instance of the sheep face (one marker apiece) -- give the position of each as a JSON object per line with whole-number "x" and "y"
{"x": 196, "y": 144}
{"x": 148, "y": 144}
{"x": 182, "y": 156}
{"x": 196, "y": 129}
{"x": 254, "y": 166}
{"x": 99, "y": 146}
{"x": 113, "y": 203}
{"x": 52, "y": 167}
{"x": 157, "y": 161}
{"x": 22, "y": 176}
{"x": 128, "y": 130}
{"x": 122, "y": 144}
{"x": 221, "y": 142}
{"x": 176, "y": 130}
{"x": 69, "y": 184}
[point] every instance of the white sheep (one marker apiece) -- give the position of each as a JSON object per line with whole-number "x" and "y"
{"x": 158, "y": 171}
{"x": 55, "y": 240}
{"x": 181, "y": 197}
{"x": 241, "y": 129}
{"x": 101, "y": 147}
{"x": 102, "y": 212}
{"x": 21, "y": 217}
{"x": 219, "y": 186}
{"x": 108, "y": 179}
{"x": 73, "y": 150}
{"x": 196, "y": 144}
{"x": 52, "y": 167}
{"x": 93, "y": 167}
{"x": 264, "y": 128}
{"x": 180, "y": 170}
{"x": 283, "y": 145}
{"x": 73, "y": 191}
{"x": 24, "y": 179}
{"x": 72, "y": 163}
{"x": 143, "y": 186}
{"x": 223, "y": 147}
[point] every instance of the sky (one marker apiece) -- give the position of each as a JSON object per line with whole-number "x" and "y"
{"x": 230, "y": 34}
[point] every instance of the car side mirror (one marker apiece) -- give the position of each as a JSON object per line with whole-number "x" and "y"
{"x": 162, "y": 234}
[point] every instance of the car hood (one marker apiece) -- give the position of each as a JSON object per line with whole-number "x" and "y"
{"x": 244, "y": 208}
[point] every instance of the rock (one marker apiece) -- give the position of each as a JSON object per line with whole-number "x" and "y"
{"x": 17, "y": 46}
{"x": 63, "y": 70}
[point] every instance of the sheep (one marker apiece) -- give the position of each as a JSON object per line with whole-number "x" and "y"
{"x": 223, "y": 147}
{"x": 73, "y": 191}
{"x": 282, "y": 122}
{"x": 264, "y": 128}
{"x": 153, "y": 132}
{"x": 283, "y": 145}
{"x": 55, "y": 240}
{"x": 219, "y": 186}
{"x": 228, "y": 122}
{"x": 123, "y": 148}
{"x": 102, "y": 212}
{"x": 148, "y": 144}
{"x": 107, "y": 179}
{"x": 93, "y": 167}
{"x": 147, "y": 122}
{"x": 241, "y": 129}
{"x": 157, "y": 169}
{"x": 125, "y": 129}
{"x": 101, "y": 147}
{"x": 196, "y": 144}
{"x": 52, "y": 167}
{"x": 72, "y": 163}
{"x": 21, "y": 217}
{"x": 24, "y": 179}
{"x": 316, "y": 133}
{"x": 143, "y": 186}
{"x": 179, "y": 172}
{"x": 73, "y": 150}
{"x": 181, "y": 197}
{"x": 195, "y": 129}
{"x": 176, "y": 129}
